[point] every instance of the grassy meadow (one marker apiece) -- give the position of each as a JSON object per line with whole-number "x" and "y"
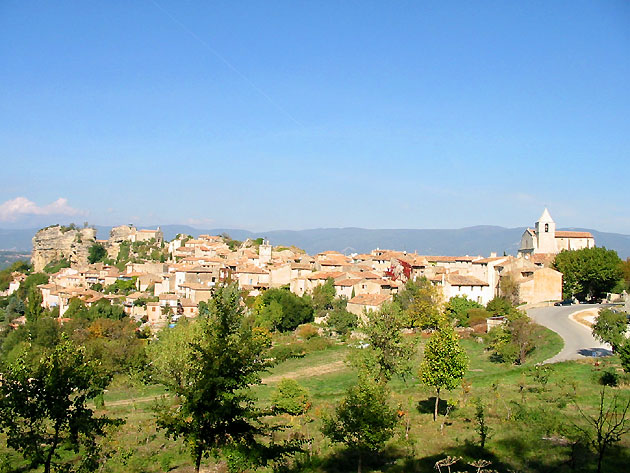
{"x": 530, "y": 417}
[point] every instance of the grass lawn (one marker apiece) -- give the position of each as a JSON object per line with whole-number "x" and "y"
{"x": 530, "y": 418}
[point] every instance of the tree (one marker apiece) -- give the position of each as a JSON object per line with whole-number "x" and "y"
{"x": 170, "y": 355}
{"x": 589, "y": 272}
{"x": 43, "y": 407}
{"x": 31, "y": 281}
{"x": 214, "y": 411}
{"x": 610, "y": 327}
{"x": 339, "y": 318}
{"x": 387, "y": 351}
{"x": 422, "y": 303}
{"x": 34, "y": 308}
{"x": 96, "y": 253}
{"x": 290, "y": 398}
{"x": 514, "y": 340}
{"x": 323, "y": 296}
{"x": 607, "y": 427}
{"x": 445, "y": 362}
{"x": 624, "y": 355}
{"x": 363, "y": 420}
{"x": 500, "y": 306}
{"x": 509, "y": 288}
{"x": 295, "y": 310}
{"x": 625, "y": 269}
{"x": 459, "y": 307}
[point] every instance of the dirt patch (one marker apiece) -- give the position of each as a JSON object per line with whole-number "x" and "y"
{"x": 126, "y": 402}
{"x": 307, "y": 372}
{"x": 585, "y": 317}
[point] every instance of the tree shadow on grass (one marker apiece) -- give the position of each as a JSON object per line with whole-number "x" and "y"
{"x": 427, "y": 406}
{"x": 345, "y": 460}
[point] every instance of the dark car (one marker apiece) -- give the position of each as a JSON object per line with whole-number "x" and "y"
{"x": 564, "y": 302}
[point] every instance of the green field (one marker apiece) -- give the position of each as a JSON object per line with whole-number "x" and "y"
{"x": 527, "y": 419}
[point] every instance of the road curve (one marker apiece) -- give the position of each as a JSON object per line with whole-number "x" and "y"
{"x": 578, "y": 340}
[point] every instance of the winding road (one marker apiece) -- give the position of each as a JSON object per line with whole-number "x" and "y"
{"x": 578, "y": 340}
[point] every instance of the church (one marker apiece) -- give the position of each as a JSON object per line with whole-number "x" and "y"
{"x": 544, "y": 239}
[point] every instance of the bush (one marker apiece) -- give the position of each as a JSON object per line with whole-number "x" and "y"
{"x": 478, "y": 317}
{"x": 609, "y": 378}
{"x": 55, "y": 266}
{"x": 460, "y": 307}
{"x": 283, "y": 352}
{"x": 307, "y": 331}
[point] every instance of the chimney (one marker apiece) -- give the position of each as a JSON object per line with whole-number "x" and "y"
{"x": 493, "y": 254}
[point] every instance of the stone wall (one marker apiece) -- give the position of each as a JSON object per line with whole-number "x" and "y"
{"x": 55, "y": 243}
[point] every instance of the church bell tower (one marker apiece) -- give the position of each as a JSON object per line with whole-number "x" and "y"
{"x": 546, "y": 234}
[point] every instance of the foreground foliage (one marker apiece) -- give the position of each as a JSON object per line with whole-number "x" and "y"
{"x": 214, "y": 410}
{"x": 43, "y": 408}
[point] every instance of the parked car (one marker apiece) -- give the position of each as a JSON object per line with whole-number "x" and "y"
{"x": 564, "y": 302}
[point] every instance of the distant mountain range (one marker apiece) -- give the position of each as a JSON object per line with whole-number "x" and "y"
{"x": 479, "y": 240}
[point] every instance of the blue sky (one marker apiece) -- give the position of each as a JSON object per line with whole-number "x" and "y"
{"x": 289, "y": 115}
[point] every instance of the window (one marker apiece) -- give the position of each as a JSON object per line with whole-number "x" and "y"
{"x": 546, "y": 228}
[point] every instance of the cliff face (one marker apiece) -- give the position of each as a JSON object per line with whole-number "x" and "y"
{"x": 56, "y": 243}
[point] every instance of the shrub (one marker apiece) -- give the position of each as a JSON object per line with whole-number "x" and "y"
{"x": 609, "y": 378}
{"x": 307, "y": 331}
{"x": 477, "y": 316}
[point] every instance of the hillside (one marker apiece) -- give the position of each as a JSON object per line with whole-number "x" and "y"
{"x": 479, "y": 240}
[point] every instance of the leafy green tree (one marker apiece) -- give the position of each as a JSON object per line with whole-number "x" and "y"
{"x": 459, "y": 307}
{"x": 625, "y": 270}
{"x": 513, "y": 341}
{"x": 363, "y": 420}
{"x": 445, "y": 362}
{"x": 113, "y": 343}
{"x": 340, "y": 319}
{"x": 31, "y": 281}
{"x": 44, "y": 412}
{"x": 624, "y": 355}
{"x": 387, "y": 351}
{"x": 425, "y": 306}
{"x": 15, "y": 308}
{"x": 6, "y": 275}
{"x": 323, "y": 296}
{"x": 34, "y": 309}
{"x": 589, "y": 272}
{"x": 170, "y": 354}
{"x": 96, "y": 253}
{"x": 76, "y": 309}
{"x": 295, "y": 310}
{"x": 290, "y": 398}
{"x": 270, "y": 315}
{"x": 121, "y": 287}
{"x": 215, "y": 411}
{"x": 610, "y": 327}
{"x": 500, "y": 306}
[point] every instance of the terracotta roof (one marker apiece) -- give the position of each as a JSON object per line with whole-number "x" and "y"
{"x": 251, "y": 269}
{"x": 347, "y": 282}
{"x": 370, "y": 299}
{"x": 566, "y": 234}
{"x": 325, "y": 275}
{"x": 448, "y": 259}
{"x": 459, "y": 280}
{"x": 488, "y": 260}
{"x": 188, "y": 303}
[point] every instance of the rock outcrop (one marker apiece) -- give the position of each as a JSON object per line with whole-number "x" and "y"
{"x": 55, "y": 243}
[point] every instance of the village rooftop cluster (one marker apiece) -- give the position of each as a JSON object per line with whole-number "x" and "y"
{"x": 172, "y": 278}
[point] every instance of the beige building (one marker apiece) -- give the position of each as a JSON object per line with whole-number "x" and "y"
{"x": 544, "y": 239}
{"x": 367, "y": 303}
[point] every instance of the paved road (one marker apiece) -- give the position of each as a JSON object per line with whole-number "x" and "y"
{"x": 578, "y": 341}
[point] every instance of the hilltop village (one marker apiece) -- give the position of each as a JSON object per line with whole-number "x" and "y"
{"x": 157, "y": 281}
